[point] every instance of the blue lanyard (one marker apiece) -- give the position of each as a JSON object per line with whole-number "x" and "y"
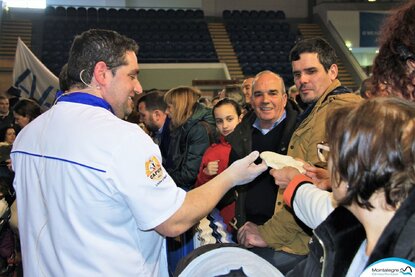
{"x": 85, "y": 98}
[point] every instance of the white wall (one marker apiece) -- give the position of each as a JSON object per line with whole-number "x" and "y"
{"x": 347, "y": 24}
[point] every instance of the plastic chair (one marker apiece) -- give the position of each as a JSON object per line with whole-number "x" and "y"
{"x": 161, "y": 14}
{"x": 71, "y": 12}
{"x": 199, "y": 14}
{"x": 81, "y": 13}
{"x": 102, "y": 14}
{"x": 280, "y": 15}
{"x": 92, "y": 14}
{"x": 226, "y": 14}
{"x": 60, "y": 11}
{"x": 50, "y": 11}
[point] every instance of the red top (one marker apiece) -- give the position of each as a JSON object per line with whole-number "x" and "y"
{"x": 217, "y": 151}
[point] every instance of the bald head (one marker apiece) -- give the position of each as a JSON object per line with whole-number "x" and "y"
{"x": 268, "y": 98}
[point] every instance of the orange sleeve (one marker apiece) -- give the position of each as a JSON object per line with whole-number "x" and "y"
{"x": 292, "y": 187}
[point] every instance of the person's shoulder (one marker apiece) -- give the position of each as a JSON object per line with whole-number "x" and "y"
{"x": 291, "y": 110}
{"x": 338, "y": 100}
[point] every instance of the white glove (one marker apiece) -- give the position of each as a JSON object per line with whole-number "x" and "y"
{"x": 245, "y": 170}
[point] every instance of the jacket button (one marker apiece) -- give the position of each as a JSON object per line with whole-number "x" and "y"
{"x": 279, "y": 203}
{"x": 292, "y": 147}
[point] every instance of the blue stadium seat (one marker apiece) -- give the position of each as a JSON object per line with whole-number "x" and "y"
{"x": 92, "y": 14}
{"x": 60, "y": 11}
{"x": 280, "y": 14}
{"x": 102, "y": 14}
{"x": 81, "y": 12}
{"x": 50, "y": 11}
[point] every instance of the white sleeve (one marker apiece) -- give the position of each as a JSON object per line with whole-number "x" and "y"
{"x": 149, "y": 191}
{"x": 312, "y": 205}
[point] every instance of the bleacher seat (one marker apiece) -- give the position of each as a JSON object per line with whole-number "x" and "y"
{"x": 280, "y": 15}
{"x": 180, "y": 14}
{"x": 92, "y": 15}
{"x": 50, "y": 11}
{"x": 102, "y": 14}
{"x": 132, "y": 14}
{"x": 60, "y": 11}
{"x": 158, "y": 32}
{"x": 260, "y": 39}
{"x": 81, "y": 12}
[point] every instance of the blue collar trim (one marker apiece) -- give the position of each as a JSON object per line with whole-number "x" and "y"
{"x": 85, "y": 98}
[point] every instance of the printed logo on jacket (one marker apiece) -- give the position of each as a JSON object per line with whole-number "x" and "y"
{"x": 154, "y": 170}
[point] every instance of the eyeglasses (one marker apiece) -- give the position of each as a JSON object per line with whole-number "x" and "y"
{"x": 323, "y": 150}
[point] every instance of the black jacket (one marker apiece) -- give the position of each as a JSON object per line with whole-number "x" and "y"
{"x": 165, "y": 140}
{"x": 337, "y": 239}
{"x": 241, "y": 141}
{"x": 188, "y": 143}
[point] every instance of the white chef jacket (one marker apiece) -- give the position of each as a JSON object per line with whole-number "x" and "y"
{"x": 90, "y": 188}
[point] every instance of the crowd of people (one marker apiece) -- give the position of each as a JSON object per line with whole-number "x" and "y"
{"x": 15, "y": 114}
{"x": 101, "y": 184}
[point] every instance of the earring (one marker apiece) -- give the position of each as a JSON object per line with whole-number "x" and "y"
{"x": 98, "y": 87}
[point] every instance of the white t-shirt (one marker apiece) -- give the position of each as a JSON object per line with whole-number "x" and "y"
{"x": 90, "y": 188}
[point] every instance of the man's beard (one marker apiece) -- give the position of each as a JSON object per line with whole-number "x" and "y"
{"x": 152, "y": 127}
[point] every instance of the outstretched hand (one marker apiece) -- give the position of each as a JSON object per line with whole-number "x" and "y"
{"x": 319, "y": 176}
{"x": 284, "y": 175}
{"x": 245, "y": 170}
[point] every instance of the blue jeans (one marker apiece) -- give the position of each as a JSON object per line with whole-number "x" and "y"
{"x": 282, "y": 260}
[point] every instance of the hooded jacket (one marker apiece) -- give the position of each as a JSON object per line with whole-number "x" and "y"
{"x": 188, "y": 143}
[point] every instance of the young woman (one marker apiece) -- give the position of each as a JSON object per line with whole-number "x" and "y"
{"x": 227, "y": 114}
{"x": 7, "y": 135}
{"x": 192, "y": 132}
{"x": 373, "y": 178}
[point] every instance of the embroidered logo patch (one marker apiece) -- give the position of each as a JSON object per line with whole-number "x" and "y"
{"x": 154, "y": 171}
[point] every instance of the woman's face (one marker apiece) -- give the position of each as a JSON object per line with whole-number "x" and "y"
{"x": 10, "y": 136}
{"x": 226, "y": 119}
{"x": 170, "y": 110}
{"x": 20, "y": 120}
{"x": 339, "y": 190}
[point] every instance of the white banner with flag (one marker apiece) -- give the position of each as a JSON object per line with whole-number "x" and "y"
{"x": 33, "y": 78}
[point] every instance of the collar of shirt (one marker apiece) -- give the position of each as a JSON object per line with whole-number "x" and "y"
{"x": 4, "y": 115}
{"x": 160, "y": 131}
{"x": 265, "y": 131}
{"x": 85, "y": 98}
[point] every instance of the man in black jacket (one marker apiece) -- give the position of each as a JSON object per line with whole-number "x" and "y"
{"x": 152, "y": 110}
{"x": 268, "y": 128}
